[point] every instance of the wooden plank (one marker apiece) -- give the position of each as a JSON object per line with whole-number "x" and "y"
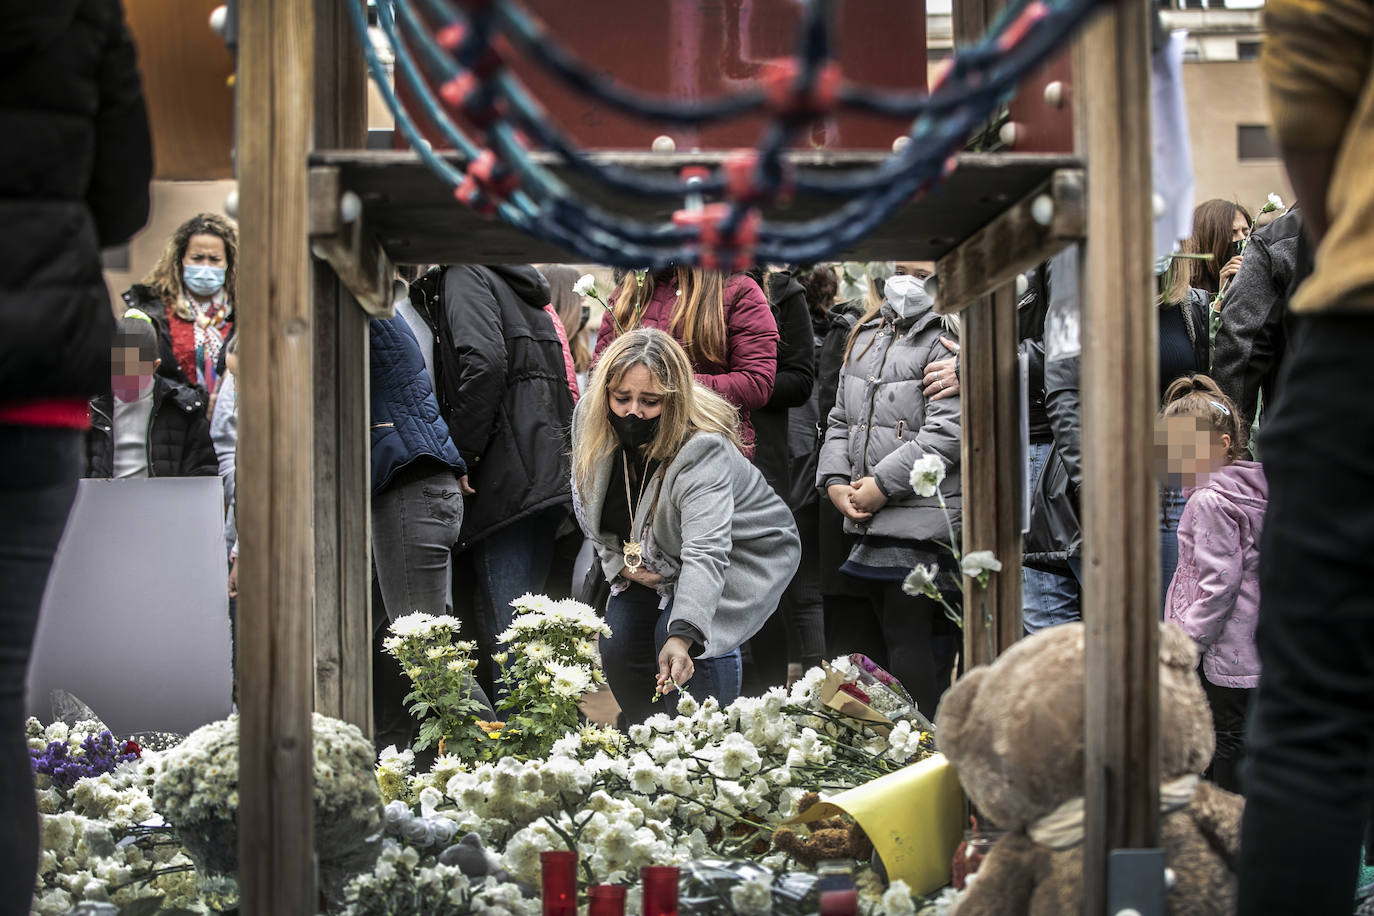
{"x": 1014, "y": 242}
{"x": 349, "y": 247}
{"x": 992, "y": 472}
{"x": 352, "y": 267}
{"x": 416, "y": 220}
{"x": 276, "y": 486}
{"x": 1120, "y": 394}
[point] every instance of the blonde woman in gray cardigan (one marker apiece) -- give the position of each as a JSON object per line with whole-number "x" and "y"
{"x": 880, "y": 426}
{"x": 696, "y": 545}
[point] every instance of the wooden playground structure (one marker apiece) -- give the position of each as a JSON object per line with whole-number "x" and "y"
{"x": 315, "y": 266}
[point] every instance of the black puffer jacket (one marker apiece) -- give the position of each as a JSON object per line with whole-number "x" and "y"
{"x": 179, "y": 442}
{"x": 791, "y": 386}
{"x": 510, "y": 411}
{"x": 74, "y": 170}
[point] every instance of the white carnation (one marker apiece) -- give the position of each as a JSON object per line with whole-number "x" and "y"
{"x": 926, "y": 474}
{"x": 585, "y": 284}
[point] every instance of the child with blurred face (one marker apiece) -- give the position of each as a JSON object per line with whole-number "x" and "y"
{"x": 1214, "y": 593}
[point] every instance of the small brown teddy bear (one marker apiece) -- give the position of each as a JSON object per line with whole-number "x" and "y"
{"x": 833, "y": 838}
{"x": 1014, "y": 731}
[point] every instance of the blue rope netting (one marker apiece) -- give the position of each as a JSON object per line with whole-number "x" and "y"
{"x": 450, "y": 55}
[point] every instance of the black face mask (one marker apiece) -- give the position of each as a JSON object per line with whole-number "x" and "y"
{"x": 633, "y": 431}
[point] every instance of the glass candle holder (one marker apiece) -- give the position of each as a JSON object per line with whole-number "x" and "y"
{"x": 660, "y": 890}
{"x": 559, "y": 868}
{"x": 605, "y": 900}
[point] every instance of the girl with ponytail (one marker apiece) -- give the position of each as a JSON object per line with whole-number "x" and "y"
{"x": 1214, "y": 594}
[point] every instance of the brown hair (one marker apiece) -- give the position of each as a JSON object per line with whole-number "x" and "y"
{"x": 821, "y": 285}
{"x": 1197, "y": 395}
{"x": 165, "y": 277}
{"x": 698, "y": 317}
{"x": 1213, "y": 226}
{"x": 568, "y": 305}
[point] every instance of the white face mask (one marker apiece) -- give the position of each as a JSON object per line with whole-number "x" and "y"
{"x": 906, "y": 294}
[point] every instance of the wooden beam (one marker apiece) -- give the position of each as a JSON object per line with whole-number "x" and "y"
{"x": 1120, "y": 398}
{"x": 1038, "y": 226}
{"x": 276, "y": 473}
{"x": 349, "y": 246}
{"x": 992, "y": 472}
{"x": 416, "y": 220}
{"x": 352, "y": 272}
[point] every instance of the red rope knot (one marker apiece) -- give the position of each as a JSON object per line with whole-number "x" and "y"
{"x": 1029, "y": 18}
{"x": 719, "y": 248}
{"x": 481, "y": 58}
{"x": 791, "y": 101}
{"x": 488, "y": 183}
{"x": 744, "y": 180}
{"x": 469, "y": 95}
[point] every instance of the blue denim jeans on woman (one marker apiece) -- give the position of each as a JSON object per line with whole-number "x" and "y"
{"x": 639, "y": 628}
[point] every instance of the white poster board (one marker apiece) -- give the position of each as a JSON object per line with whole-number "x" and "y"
{"x": 135, "y": 619}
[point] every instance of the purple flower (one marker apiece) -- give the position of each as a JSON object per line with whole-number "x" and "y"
{"x": 99, "y": 754}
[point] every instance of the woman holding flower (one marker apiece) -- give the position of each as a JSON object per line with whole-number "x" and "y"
{"x": 883, "y": 466}
{"x": 697, "y": 547}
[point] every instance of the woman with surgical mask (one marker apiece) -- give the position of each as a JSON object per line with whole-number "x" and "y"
{"x": 190, "y": 294}
{"x": 881, "y": 426}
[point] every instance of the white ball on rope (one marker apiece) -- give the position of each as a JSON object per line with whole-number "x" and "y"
{"x": 664, "y": 144}
{"x": 219, "y": 19}
{"x": 231, "y": 204}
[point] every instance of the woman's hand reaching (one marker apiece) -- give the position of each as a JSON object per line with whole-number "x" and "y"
{"x": 675, "y": 666}
{"x": 641, "y": 576}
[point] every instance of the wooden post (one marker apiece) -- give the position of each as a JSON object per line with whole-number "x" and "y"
{"x": 992, "y": 472}
{"x": 276, "y": 460}
{"x": 343, "y": 557}
{"x": 1120, "y": 397}
{"x": 990, "y": 450}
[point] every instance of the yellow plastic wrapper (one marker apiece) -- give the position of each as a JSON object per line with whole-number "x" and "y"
{"x": 915, "y": 818}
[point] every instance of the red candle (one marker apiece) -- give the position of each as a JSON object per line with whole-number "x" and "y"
{"x": 605, "y": 900}
{"x": 560, "y": 882}
{"x": 660, "y": 890}
{"x": 840, "y": 902}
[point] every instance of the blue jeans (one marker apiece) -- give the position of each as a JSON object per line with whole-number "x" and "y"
{"x": 1047, "y": 598}
{"x": 39, "y": 469}
{"x": 639, "y": 628}
{"x": 1170, "y": 511}
{"x": 509, "y": 563}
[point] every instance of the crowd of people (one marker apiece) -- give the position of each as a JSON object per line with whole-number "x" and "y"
{"x": 724, "y": 465}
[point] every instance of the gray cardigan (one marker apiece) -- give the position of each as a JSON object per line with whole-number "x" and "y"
{"x": 723, "y": 541}
{"x": 882, "y": 423}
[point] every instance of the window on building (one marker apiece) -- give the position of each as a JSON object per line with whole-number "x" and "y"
{"x": 1254, "y": 142}
{"x": 1247, "y": 50}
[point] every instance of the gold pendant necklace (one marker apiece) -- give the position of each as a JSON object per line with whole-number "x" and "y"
{"x": 633, "y": 551}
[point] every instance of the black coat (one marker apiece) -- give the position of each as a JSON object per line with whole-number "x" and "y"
{"x": 792, "y": 385}
{"x": 179, "y": 442}
{"x": 74, "y": 169}
{"x": 510, "y": 410}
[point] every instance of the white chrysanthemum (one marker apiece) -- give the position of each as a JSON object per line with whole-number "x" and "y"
{"x": 897, "y": 900}
{"x": 643, "y": 774}
{"x": 979, "y": 563}
{"x": 921, "y": 580}
{"x": 569, "y": 681}
{"x": 927, "y": 474}
{"x": 753, "y": 898}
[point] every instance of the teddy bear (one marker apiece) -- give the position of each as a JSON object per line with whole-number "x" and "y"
{"x": 1014, "y": 732}
{"x": 833, "y": 838}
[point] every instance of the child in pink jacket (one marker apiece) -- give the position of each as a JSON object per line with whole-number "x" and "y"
{"x": 1214, "y": 595}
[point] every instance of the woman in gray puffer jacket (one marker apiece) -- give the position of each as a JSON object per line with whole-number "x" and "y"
{"x": 880, "y": 427}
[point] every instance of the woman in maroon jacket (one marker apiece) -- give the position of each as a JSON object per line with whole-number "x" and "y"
{"x": 725, "y": 326}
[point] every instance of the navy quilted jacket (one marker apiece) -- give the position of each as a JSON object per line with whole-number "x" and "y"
{"x": 405, "y": 414}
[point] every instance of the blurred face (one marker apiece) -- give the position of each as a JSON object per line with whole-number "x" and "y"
{"x": 1188, "y": 451}
{"x": 205, "y": 251}
{"x": 636, "y": 393}
{"x": 1240, "y": 228}
{"x": 130, "y": 376}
